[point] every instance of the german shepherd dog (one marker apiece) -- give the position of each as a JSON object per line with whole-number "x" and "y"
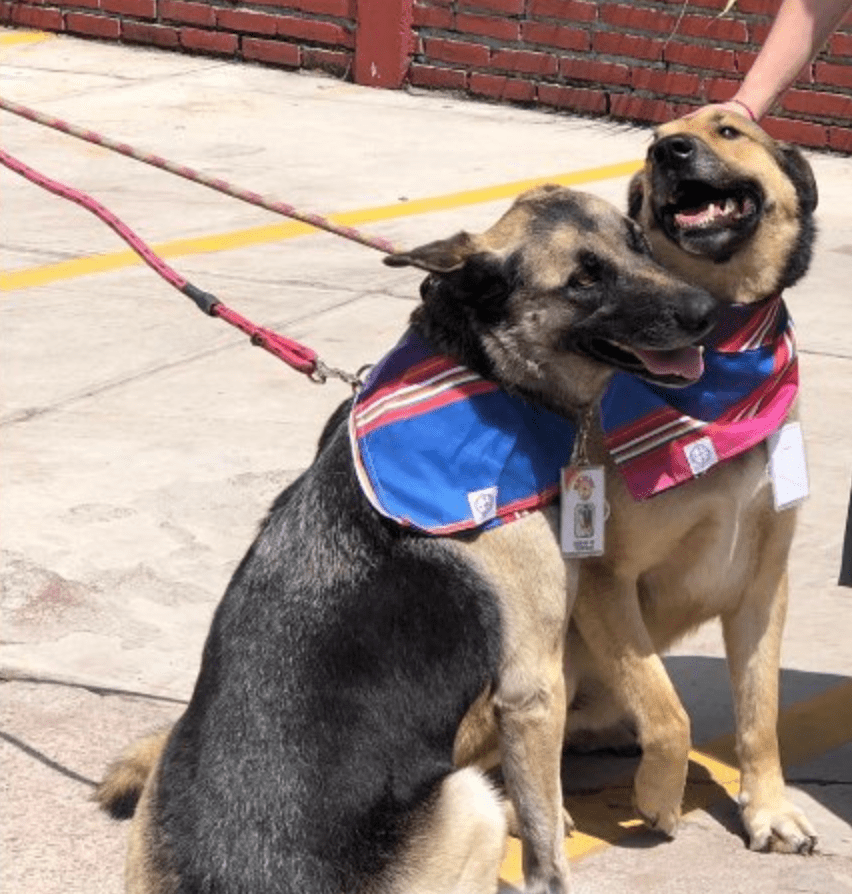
{"x": 728, "y": 209}
{"x": 318, "y": 751}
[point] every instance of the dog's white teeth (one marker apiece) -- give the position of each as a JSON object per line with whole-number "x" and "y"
{"x": 708, "y": 214}
{"x": 728, "y": 208}
{"x": 695, "y": 218}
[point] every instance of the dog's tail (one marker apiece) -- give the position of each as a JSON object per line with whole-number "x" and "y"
{"x": 121, "y": 788}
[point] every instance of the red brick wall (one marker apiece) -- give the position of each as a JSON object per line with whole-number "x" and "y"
{"x": 314, "y": 34}
{"x": 636, "y": 60}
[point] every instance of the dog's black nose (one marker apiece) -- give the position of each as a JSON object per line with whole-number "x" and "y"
{"x": 673, "y": 151}
{"x": 696, "y": 313}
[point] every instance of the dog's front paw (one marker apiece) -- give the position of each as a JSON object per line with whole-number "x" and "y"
{"x": 665, "y": 820}
{"x": 658, "y": 793}
{"x": 780, "y": 827}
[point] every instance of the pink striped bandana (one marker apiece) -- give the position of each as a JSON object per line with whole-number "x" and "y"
{"x": 660, "y": 437}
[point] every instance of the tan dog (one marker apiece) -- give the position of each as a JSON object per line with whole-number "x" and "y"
{"x": 730, "y": 210}
{"x": 319, "y": 750}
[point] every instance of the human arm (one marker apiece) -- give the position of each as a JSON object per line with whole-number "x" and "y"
{"x": 799, "y": 30}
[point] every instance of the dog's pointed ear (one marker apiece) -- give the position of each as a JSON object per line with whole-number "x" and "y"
{"x": 796, "y": 167}
{"x": 635, "y": 195}
{"x": 442, "y": 256}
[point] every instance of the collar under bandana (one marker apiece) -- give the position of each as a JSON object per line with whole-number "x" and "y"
{"x": 440, "y": 449}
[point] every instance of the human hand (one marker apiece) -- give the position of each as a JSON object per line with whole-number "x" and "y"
{"x": 731, "y": 105}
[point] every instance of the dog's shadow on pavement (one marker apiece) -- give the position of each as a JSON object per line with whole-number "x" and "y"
{"x": 599, "y": 786}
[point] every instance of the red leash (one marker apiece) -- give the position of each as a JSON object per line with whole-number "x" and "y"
{"x": 296, "y": 355}
{"x": 236, "y": 192}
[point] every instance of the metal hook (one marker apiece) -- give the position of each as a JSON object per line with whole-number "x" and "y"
{"x": 321, "y": 373}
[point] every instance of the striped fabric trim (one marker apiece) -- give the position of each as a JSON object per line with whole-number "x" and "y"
{"x": 361, "y": 472}
{"x": 508, "y": 513}
{"x": 759, "y": 329}
{"x": 421, "y": 397}
{"x": 432, "y": 371}
{"x": 661, "y": 428}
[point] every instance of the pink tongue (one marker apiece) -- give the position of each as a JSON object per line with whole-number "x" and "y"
{"x": 687, "y": 363}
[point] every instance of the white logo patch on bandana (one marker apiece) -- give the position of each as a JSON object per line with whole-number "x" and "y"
{"x": 483, "y": 504}
{"x": 701, "y": 455}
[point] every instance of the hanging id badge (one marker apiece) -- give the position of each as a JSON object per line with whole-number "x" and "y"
{"x": 583, "y": 502}
{"x": 788, "y": 468}
{"x": 583, "y": 511}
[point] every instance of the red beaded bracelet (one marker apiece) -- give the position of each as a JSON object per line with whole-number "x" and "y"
{"x": 751, "y": 114}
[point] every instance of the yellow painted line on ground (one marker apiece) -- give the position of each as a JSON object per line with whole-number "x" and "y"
{"x": 806, "y": 730}
{"x": 103, "y": 263}
{"x": 15, "y": 38}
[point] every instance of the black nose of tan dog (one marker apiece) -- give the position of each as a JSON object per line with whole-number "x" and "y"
{"x": 696, "y": 314}
{"x": 673, "y": 151}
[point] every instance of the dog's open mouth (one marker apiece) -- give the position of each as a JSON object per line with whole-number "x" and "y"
{"x": 677, "y": 368}
{"x": 706, "y": 220}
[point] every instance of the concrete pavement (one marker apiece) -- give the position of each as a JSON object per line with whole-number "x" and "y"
{"x": 142, "y": 442}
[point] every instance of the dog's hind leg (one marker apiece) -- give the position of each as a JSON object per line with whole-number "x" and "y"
{"x": 458, "y": 845}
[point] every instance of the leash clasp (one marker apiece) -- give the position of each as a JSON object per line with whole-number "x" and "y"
{"x": 321, "y": 373}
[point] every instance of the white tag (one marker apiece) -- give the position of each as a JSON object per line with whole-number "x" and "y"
{"x": 701, "y": 455}
{"x": 483, "y": 504}
{"x": 583, "y": 514}
{"x": 788, "y": 467}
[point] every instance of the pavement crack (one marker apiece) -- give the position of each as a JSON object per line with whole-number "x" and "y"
{"x": 831, "y": 355}
{"x": 41, "y": 254}
{"x": 103, "y": 691}
{"x": 42, "y": 758}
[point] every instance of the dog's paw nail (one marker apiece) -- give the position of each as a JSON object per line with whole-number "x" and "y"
{"x": 808, "y": 846}
{"x": 657, "y": 824}
{"x": 761, "y": 844}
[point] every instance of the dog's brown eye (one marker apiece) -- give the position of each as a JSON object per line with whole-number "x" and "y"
{"x": 728, "y": 132}
{"x": 587, "y": 274}
{"x": 581, "y": 280}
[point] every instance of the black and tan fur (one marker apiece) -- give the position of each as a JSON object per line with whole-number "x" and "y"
{"x": 714, "y": 547}
{"x": 317, "y": 751}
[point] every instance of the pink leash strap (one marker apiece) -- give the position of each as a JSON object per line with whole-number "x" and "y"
{"x": 291, "y": 352}
{"x": 90, "y": 204}
{"x": 296, "y": 355}
{"x": 236, "y": 192}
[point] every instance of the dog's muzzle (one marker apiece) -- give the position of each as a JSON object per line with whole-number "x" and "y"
{"x": 700, "y": 204}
